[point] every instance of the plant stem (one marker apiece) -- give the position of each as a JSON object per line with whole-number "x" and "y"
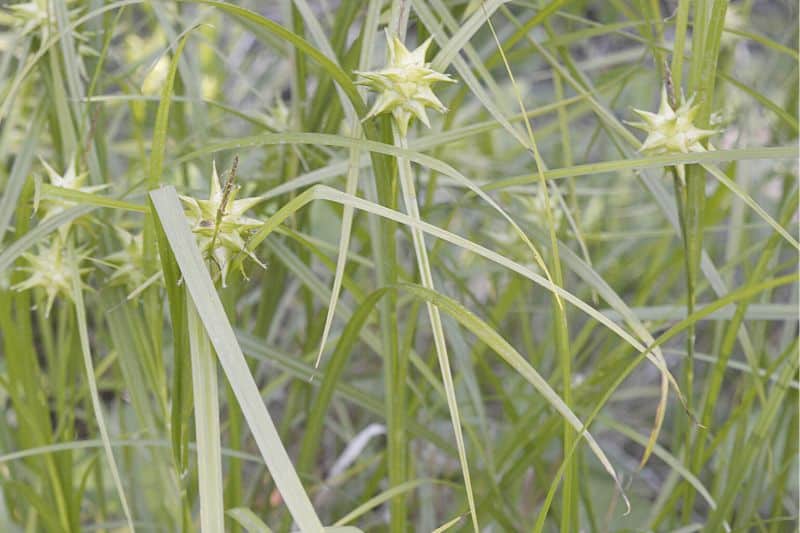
{"x": 412, "y": 208}
{"x": 206, "y": 407}
{"x": 83, "y": 332}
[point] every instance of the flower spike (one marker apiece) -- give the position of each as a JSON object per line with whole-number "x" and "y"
{"x": 53, "y": 268}
{"x": 128, "y": 263}
{"x": 404, "y": 85}
{"x": 220, "y": 223}
{"x": 70, "y": 180}
{"x": 671, "y": 130}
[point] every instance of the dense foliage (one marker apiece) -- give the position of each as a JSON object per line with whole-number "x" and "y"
{"x": 400, "y": 265}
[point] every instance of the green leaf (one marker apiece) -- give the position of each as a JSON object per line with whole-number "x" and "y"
{"x": 248, "y": 520}
{"x": 206, "y": 423}
{"x": 209, "y": 307}
{"x": 83, "y": 332}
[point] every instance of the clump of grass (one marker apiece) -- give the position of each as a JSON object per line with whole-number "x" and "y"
{"x": 609, "y": 334}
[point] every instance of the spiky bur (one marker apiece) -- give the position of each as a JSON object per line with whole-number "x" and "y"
{"x": 671, "y": 130}
{"x": 220, "y": 224}
{"x": 69, "y": 180}
{"x": 404, "y": 85}
{"x": 33, "y": 15}
{"x": 37, "y": 16}
{"x": 128, "y": 263}
{"x": 53, "y": 268}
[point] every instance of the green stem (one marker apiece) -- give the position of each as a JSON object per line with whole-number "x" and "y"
{"x": 207, "y": 431}
{"x": 412, "y": 207}
{"x": 690, "y": 199}
{"x": 395, "y": 363}
{"x": 688, "y": 372}
{"x": 83, "y": 332}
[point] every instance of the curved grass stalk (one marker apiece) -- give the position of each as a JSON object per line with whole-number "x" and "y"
{"x": 209, "y": 307}
{"x": 742, "y": 294}
{"x": 206, "y": 413}
{"x": 570, "y": 513}
{"x": 410, "y": 199}
{"x": 42, "y": 51}
{"x": 323, "y": 192}
{"x": 351, "y": 185}
{"x": 341, "y": 258}
{"x": 387, "y": 149}
{"x": 83, "y": 333}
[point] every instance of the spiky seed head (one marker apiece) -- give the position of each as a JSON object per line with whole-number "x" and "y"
{"x": 36, "y": 15}
{"x": 221, "y": 240}
{"x": 404, "y": 85}
{"x": 71, "y": 180}
{"x": 671, "y": 130}
{"x": 128, "y": 263}
{"x": 53, "y": 268}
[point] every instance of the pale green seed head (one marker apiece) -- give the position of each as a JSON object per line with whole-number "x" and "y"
{"x": 70, "y": 180}
{"x": 671, "y": 130}
{"x": 129, "y": 266}
{"x": 37, "y": 17}
{"x": 221, "y": 240}
{"x": 53, "y": 268}
{"x": 404, "y": 85}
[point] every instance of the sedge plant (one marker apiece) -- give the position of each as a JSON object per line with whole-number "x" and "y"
{"x": 398, "y": 265}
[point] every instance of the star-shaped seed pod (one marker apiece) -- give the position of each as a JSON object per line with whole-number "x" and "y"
{"x": 128, "y": 263}
{"x": 71, "y": 180}
{"x": 404, "y": 85}
{"x": 35, "y": 14}
{"x": 53, "y": 268}
{"x": 220, "y": 223}
{"x": 671, "y": 130}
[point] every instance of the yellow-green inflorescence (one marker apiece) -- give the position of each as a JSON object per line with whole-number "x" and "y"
{"x": 404, "y": 85}
{"x": 56, "y": 264}
{"x": 671, "y": 130}
{"x": 128, "y": 263}
{"x": 33, "y": 15}
{"x": 53, "y": 268}
{"x": 220, "y": 224}
{"x": 70, "y": 180}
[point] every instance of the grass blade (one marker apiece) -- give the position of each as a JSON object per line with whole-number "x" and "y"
{"x": 248, "y": 520}
{"x": 206, "y": 422}
{"x": 209, "y": 307}
{"x": 83, "y": 333}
